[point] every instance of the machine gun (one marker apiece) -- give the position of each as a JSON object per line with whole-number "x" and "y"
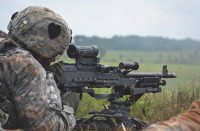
{"x": 87, "y": 73}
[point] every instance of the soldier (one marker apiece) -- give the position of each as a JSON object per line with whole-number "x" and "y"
{"x": 188, "y": 121}
{"x": 29, "y": 97}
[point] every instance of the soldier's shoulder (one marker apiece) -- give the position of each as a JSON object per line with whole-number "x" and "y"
{"x": 24, "y": 57}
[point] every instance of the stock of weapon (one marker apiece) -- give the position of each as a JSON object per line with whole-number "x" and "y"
{"x": 87, "y": 73}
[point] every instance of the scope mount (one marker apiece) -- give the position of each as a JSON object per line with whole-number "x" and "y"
{"x": 85, "y": 60}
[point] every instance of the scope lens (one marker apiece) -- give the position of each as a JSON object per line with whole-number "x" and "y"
{"x": 72, "y": 51}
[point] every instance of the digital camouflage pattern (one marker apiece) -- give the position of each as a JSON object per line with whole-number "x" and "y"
{"x": 40, "y": 30}
{"x": 189, "y": 121}
{"x": 33, "y": 91}
{"x": 71, "y": 99}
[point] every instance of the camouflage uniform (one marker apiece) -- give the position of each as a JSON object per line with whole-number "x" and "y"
{"x": 33, "y": 91}
{"x": 189, "y": 121}
{"x": 31, "y": 99}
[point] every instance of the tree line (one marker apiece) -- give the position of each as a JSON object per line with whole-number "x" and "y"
{"x": 138, "y": 43}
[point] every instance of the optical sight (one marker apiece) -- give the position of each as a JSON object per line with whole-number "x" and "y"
{"x": 76, "y": 52}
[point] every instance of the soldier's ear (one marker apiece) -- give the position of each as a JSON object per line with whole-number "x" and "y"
{"x": 13, "y": 16}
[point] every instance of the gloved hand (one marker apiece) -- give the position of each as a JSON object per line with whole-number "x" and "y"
{"x": 71, "y": 99}
{"x": 56, "y": 69}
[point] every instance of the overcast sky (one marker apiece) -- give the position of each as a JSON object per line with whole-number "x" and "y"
{"x": 167, "y": 18}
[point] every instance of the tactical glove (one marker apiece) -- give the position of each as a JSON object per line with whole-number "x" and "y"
{"x": 56, "y": 69}
{"x": 71, "y": 99}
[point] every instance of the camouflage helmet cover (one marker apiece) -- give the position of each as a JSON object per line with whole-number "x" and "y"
{"x": 40, "y": 30}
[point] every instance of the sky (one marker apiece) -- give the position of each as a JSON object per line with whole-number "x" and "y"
{"x": 177, "y": 19}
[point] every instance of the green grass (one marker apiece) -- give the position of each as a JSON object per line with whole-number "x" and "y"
{"x": 153, "y": 57}
{"x": 187, "y": 74}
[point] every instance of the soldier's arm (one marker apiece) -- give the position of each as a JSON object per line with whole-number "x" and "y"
{"x": 32, "y": 95}
{"x": 189, "y": 121}
{"x": 71, "y": 99}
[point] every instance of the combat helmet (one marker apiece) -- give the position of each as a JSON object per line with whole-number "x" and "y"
{"x": 40, "y": 30}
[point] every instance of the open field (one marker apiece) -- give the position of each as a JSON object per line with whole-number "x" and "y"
{"x": 176, "y": 96}
{"x": 187, "y": 74}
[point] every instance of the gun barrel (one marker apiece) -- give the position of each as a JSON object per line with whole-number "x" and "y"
{"x": 147, "y": 74}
